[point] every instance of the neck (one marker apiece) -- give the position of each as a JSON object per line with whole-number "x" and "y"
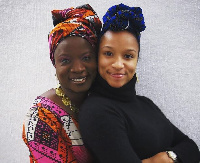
{"x": 76, "y": 98}
{"x": 125, "y": 93}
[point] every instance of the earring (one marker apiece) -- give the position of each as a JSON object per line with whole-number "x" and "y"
{"x": 137, "y": 78}
{"x": 57, "y": 81}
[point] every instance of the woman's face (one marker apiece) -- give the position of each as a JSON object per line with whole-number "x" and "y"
{"x": 118, "y": 55}
{"x": 75, "y": 64}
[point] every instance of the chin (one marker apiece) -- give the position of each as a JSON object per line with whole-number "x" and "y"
{"x": 116, "y": 85}
{"x": 81, "y": 89}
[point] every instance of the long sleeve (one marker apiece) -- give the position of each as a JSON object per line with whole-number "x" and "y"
{"x": 185, "y": 148}
{"x": 119, "y": 126}
{"x": 104, "y": 133}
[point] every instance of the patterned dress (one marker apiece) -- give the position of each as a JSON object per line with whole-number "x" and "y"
{"x": 52, "y": 135}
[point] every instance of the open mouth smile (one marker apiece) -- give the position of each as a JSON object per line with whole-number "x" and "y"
{"x": 79, "y": 80}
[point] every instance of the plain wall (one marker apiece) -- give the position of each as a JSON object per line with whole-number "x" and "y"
{"x": 168, "y": 67}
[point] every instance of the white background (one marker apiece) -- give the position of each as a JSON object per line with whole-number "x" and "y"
{"x": 168, "y": 68}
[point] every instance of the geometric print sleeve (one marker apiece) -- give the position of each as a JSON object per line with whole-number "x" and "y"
{"x": 52, "y": 135}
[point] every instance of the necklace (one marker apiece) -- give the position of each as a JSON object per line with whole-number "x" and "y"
{"x": 66, "y": 101}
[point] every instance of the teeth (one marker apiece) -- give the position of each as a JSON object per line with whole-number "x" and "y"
{"x": 79, "y": 80}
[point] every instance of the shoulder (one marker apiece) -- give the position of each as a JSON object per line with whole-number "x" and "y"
{"x": 146, "y": 100}
{"x": 42, "y": 108}
{"x": 45, "y": 102}
{"x": 50, "y": 94}
{"x": 151, "y": 105}
{"x": 47, "y": 98}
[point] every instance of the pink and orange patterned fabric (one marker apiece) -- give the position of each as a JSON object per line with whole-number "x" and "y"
{"x": 80, "y": 21}
{"x": 52, "y": 135}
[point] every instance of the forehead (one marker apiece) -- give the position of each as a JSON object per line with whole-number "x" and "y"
{"x": 73, "y": 44}
{"x": 118, "y": 39}
{"x": 74, "y": 41}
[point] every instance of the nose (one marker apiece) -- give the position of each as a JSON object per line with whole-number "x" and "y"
{"x": 77, "y": 67}
{"x": 118, "y": 63}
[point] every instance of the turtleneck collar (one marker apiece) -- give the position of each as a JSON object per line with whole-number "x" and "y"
{"x": 125, "y": 93}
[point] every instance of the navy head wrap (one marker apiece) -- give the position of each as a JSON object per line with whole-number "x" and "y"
{"x": 121, "y": 17}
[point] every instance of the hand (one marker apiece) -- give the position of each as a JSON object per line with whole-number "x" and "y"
{"x": 161, "y": 157}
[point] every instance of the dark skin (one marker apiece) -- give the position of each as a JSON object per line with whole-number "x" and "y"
{"x": 51, "y": 94}
{"x": 75, "y": 63}
{"x": 158, "y": 158}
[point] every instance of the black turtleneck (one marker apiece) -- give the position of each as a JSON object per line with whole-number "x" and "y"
{"x": 119, "y": 126}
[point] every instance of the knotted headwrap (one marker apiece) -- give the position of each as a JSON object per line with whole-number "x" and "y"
{"x": 81, "y": 21}
{"x": 122, "y": 17}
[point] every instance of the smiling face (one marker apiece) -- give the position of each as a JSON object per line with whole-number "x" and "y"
{"x": 118, "y": 55}
{"x": 75, "y": 64}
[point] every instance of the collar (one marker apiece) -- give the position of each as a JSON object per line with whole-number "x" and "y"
{"x": 125, "y": 93}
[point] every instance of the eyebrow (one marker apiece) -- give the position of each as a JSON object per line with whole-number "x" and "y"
{"x": 63, "y": 55}
{"x": 131, "y": 50}
{"x": 68, "y": 54}
{"x": 106, "y": 46}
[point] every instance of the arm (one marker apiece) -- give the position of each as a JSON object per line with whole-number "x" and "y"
{"x": 185, "y": 148}
{"x": 104, "y": 133}
{"x": 158, "y": 158}
{"x": 44, "y": 136}
{"x": 38, "y": 132}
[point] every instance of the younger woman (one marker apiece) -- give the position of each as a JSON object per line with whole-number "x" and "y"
{"x": 117, "y": 125}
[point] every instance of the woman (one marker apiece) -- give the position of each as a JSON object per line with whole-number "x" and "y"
{"x": 51, "y": 129}
{"x": 117, "y": 125}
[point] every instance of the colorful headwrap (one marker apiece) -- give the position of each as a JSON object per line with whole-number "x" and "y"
{"x": 81, "y": 21}
{"x": 122, "y": 17}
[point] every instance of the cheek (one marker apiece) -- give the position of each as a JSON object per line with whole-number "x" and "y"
{"x": 93, "y": 70}
{"x": 102, "y": 63}
{"x": 101, "y": 67}
{"x": 58, "y": 75}
{"x": 92, "y": 67}
{"x": 62, "y": 72}
{"x": 132, "y": 67}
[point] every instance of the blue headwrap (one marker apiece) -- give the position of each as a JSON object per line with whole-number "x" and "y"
{"x": 122, "y": 17}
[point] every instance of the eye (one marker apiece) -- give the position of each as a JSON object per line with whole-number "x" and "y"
{"x": 108, "y": 53}
{"x": 128, "y": 56}
{"x": 86, "y": 58}
{"x": 65, "y": 61}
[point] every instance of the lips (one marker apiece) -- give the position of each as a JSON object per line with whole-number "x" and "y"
{"x": 117, "y": 75}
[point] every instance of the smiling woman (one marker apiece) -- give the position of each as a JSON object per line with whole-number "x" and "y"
{"x": 117, "y": 125}
{"x": 75, "y": 62}
{"x": 118, "y": 59}
{"x": 51, "y": 128}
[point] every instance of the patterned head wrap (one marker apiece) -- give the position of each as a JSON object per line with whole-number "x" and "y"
{"x": 81, "y": 21}
{"x": 122, "y": 17}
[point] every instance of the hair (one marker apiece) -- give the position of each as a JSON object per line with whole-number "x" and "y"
{"x": 121, "y": 17}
